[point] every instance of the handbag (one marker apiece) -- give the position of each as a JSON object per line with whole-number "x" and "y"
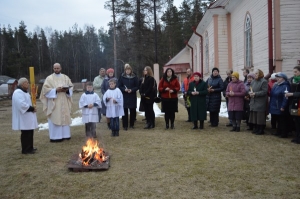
{"x": 141, "y": 108}
{"x": 295, "y": 108}
{"x": 157, "y": 98}
{"x": 188, "y": 102}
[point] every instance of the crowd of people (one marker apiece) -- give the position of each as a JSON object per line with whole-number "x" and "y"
{"x": 250, "y": 100}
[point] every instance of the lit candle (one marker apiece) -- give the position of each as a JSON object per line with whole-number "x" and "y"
{"x": 230, "y": 88}
{"x": 251, "y": 89}
{"x": 286, "y": 91}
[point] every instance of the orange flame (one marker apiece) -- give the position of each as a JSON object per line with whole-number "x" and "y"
{"x": 92, "y": 152}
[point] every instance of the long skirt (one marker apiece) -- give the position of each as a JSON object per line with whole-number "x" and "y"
{"x": 257, "y": 117}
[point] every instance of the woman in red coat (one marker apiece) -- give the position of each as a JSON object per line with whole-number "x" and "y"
{"x": 168, "y": 88}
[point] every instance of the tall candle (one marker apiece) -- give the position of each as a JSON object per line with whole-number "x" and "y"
{"x": 32, "y": 86}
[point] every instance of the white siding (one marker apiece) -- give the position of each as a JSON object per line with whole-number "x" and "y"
{"x": 210, "y": 30}
{"x": 223, "y": 45}
{"x": 290, "y": 34}
{"x": 258, "y": 12}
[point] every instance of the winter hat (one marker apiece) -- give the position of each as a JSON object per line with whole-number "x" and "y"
{"x": 251, "y": 75}
{"x": 281, "y": 75}
{"x": 235, "y": 74}
{"x": 197, "y": 73}
{"x": 273, "y": 76}
{"x": 110, "y": 70}
{"x": 214, "y": 70}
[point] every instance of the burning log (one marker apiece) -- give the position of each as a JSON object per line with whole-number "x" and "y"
{"x": 92, "y": 157}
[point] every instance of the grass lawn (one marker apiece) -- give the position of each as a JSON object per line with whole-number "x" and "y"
{"x": 155, "y": 163}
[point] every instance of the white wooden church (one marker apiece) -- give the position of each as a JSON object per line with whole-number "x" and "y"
{"x": 243, "y": 34}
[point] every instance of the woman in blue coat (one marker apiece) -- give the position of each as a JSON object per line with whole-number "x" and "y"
{"x": 279, "y": 103}
{"x": 213, "y": 98}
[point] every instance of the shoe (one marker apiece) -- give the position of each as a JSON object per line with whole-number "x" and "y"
{"x": 29, "y": 152}
{"x": 228, "y": 125}
{"x": 188, "y": 121}
{"x": 148, "y": 125}
{"x": 132, "y": 127}
{"x": 59, "y": 140}
{"x": 238, "y": 129}
{"x": 201, "y": 124}
{"x": 125, "y": 128}
{"x": 172, "y": 126}
{"x": 195, "y": 127}
{"x": 213, "y": 125}
{"x": 284, "y": 136}
{"x": 294, "y": 140}
{"x": 276, "y": 134}
{"x": 34, "y": 149}
{"x": 167, "y": 126}
{"x": 233, "y": 129}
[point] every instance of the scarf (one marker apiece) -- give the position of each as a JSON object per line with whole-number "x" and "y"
{"x": 296, "y": 79}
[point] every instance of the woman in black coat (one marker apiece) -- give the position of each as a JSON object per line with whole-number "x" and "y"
{"x": 294, "y": 98}
{"x": 213, "y": 98}
{"x": 148, "y": 91}
{"x": 128, "y": 84}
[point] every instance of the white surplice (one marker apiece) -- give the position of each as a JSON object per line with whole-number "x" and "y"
{"x": 113, "y": 109}
{"x": 89, "y": 114}
{"x": 22, "y": 120}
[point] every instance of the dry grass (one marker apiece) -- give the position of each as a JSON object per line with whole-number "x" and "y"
{"x": 156, "y": 163}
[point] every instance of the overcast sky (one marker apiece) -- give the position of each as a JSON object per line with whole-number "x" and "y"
{"x": 57, "y": 14}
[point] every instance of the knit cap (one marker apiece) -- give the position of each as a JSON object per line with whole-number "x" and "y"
{"x": 235, "y": 74}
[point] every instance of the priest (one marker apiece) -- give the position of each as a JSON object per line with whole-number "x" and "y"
{"x": 56, "y": 96}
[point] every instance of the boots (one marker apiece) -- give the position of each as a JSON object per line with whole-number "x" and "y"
{"x": 195, "y": 125}
{"x": 260, "y": 130}
{"x": 250, "y": 127}
{"x": 172, "y": 126}
{"x": 113, "y": 134}
{"x": 201, "y": 124}
{"x": 152, "y": 125}
{"x": 167, "y": 125}
{"x": 255, "y": 128}
{"x": 233, "y": 129}
{"x": 148, "y": 126}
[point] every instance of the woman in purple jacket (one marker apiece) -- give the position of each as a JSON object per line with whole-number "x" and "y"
{"x": 235, "y": 92}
